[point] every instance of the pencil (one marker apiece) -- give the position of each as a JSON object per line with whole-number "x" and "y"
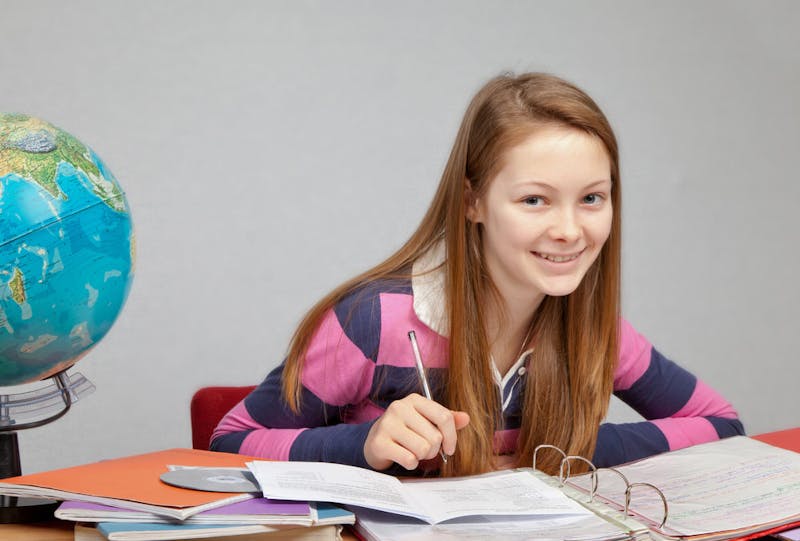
{"x": 426, "y": 389}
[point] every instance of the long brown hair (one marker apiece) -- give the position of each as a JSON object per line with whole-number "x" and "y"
{"x": 572, "y": 365}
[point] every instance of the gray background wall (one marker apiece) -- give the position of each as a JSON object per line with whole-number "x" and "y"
{"x": 270, "y": 150}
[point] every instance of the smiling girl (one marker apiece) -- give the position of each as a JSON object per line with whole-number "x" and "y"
{"x": 511, "y": 285}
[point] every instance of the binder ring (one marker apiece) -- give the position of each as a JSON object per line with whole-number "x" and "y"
{"x": 564, "y": 474}
{"x": 546, "y": 446}
{"x": 593, "y": 471}
{"x": 624, "y": 479}
{"x": 663, "y": 498}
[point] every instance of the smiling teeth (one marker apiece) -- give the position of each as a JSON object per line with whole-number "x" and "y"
{"x": 558, "y": 258}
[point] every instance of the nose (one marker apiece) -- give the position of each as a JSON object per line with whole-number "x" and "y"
{"x": 566, "y": 226}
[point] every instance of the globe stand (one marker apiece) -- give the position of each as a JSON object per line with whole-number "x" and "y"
{"x": 36, "y": 408}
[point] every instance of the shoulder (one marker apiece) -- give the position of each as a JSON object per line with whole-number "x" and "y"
{"x": 361, "y": 313}
{"x": 367, "y": 296}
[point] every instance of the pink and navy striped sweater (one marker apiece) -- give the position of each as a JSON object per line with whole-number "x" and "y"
{"x": 360, "y": 360}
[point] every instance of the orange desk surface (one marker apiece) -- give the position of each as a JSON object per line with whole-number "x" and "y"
{"x": 787, "y": 439}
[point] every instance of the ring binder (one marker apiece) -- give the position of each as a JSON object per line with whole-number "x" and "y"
{"x": 658, "y": 491}
{"x": 563, "y": 477}
{"x": 592, "y": 470}
{"x": 546, "y": 446}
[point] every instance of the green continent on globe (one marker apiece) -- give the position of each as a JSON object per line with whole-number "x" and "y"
{"x": 17, "y": 286}
{"x": 33, "y": 149}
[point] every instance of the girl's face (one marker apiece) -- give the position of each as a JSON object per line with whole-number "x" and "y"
{"x": 546, "y": 214}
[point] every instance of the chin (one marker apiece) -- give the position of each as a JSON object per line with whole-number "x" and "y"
{"x": 560, "y": 290}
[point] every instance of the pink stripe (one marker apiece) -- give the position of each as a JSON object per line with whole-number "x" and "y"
{"x": 335, "y": 370}
{"x": 685, "y": 432}
{"x": 634, "y": 356}
{"x": 236, "y": 420}
{"x": 505, "y": 441}
{"x": 397, "y": 318}
{"x": 271, "y": 443}
{"x": 707, "y": 403}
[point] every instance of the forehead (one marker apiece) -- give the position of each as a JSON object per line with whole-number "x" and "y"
{"x": 553, "y": 153}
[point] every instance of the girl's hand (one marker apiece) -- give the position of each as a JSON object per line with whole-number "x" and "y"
{"x": 411, "y": 430}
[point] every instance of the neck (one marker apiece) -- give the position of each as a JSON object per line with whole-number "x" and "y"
{"x": 508, "y": 329}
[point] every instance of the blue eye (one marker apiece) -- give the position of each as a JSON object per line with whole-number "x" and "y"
{"x": 533, "y": 201}
{"x": 592, "y": 199}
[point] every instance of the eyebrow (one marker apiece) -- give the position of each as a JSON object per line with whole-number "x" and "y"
{"x": 543, "y": 184}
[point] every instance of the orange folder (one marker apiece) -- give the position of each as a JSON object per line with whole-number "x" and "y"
{"x": 785, "y": 439}
{"x": 132, "y": 482}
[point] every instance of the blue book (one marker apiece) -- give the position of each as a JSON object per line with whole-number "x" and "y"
{"x": 327, "y": 525}
{"x": 142, "y": 531}
{"x": 328, "y": 513}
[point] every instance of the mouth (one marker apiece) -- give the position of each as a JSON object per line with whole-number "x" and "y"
{"x": 558, "y": 258}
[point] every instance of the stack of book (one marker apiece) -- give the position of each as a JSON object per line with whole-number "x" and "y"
{"x": 254, "y": 520}
{"x": 125, "y": 499}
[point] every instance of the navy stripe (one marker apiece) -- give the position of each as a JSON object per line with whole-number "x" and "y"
{"x": 359, "y": 314}
{"x": 390, "y": 383}
{"x": 342, "y": 444}
{"x": 620, "y": 443}
{"x": 268, "y": 408}
{"x": 662, "y": 390}
{"x": 512, "y": 422}
{"x": 727, "y": 427}
{"x": 229, "y": 443}
{"x": 512, "y": 416}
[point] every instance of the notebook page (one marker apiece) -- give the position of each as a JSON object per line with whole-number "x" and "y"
{"x": 378, "y": 526}
{"x": 733, "y": 484}
{"x": 511, "y": 492}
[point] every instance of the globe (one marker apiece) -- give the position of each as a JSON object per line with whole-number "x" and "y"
{"x": 66, "y": 249}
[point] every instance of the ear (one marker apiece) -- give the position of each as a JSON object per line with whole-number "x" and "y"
{"x": 471, "y": 203}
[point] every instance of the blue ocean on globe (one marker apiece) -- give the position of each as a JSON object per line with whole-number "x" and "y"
{"x": 66, "y": 249}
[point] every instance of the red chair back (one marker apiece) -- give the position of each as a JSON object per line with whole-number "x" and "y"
{"x": 207, "y": 408}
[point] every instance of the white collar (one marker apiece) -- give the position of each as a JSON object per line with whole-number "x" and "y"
{"x": 427, "y": 284}
{"x": 518, "y": 368}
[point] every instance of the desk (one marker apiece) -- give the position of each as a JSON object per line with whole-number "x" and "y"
{"x": 55, "y": 530}
{"x": 61, "y": 530}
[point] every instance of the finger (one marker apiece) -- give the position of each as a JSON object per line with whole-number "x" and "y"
{"x": 400, "y": 454}
{"x": 443, "y": 419}
{"x": 402, "y": 434}
{"x": 461, "y": 419}
{"x": 422, "y": 437}
{"x": 381, "y": 450}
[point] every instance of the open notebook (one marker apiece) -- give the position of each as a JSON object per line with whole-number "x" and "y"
{"x": 727, "y": 489}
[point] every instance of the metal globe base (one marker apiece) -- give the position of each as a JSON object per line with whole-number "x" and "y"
{"x": 38, "y": 407}
{"x": 13, "y": 509}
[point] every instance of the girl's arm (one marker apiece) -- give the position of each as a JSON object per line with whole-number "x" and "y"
{"x": 344, "y": 393}
{"x": 681, "y": 410}
{"x": 335, "y": 414}
{"x": 262, "y": 425}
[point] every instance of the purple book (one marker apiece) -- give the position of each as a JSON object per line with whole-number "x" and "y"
{"x": 789, "y": 535}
